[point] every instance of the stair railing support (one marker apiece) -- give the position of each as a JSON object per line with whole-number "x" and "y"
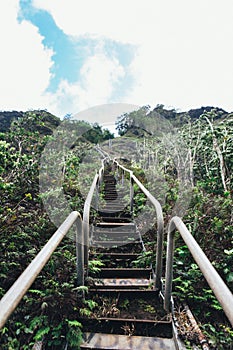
{"x": 14, "y": 295}
{"x": 220, "y": 289}
{"x": 122, "y": 177}
{"x": 86, "y": 219}
{"x": 131, "y": 193}
{"x": 79, "y": 252}
{"x": 86, "y": 211}
{"x": 160, "y": 224}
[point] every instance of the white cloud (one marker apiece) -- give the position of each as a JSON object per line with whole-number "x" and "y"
{"x": 98, "y": 77}
{"x": 25, "y": 71}
{"x": 24, "y": 62}
{"x": 185, "y": 48}
{"x": 184, "y": 54}
{"x": 120, "y": 20}
{"x": 191, "y": 64}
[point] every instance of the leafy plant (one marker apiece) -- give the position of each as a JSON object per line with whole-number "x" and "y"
{"x": 94, "y": 266}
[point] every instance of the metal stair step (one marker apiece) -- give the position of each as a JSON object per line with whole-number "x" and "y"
{"x": 115, "y": 259}
{"x": 115, "y": 219}
{"x": 110, "y": 244}
{"x": 113, "y": 224}
{"x": 101, "y": 341}
{"x": 113, "y": 211}
{"x": 125, "y": 272}
{"x": 112, "y": 207}
{"x": 127, "y": 227}
{"x": 119, "y": 326}
{"x": 114, "y": 234}
{"x": 108, "y": 187}
{"x": 116, "y": 238}
{"x": 111, "y": 193}
{"x": 125, "y": 289}
{"x": 108, "y": 255}
{"x": 113, "y": 214}
{"x": 130, "y": 247}
{"x": 122, "y": 283}
{"x": 112, "y": 229}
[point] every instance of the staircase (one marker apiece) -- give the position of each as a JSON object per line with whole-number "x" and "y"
{"x": 130, "y": 302}
{"x": 130, "y": 313}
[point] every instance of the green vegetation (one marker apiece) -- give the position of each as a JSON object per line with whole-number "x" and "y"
{"x": 48, "y": 311}
{"x": 51, "y": 308}
{"x": 201, "y": 142}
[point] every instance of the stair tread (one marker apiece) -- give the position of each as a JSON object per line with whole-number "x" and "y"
{"x": 121, "y": 282}
{"x": 125, "y": 342}
{"x": 123, "y": 290}
{"x": 115, "y": 232}
{"x": 125, "y": 273}
{"x": 118, "y": 255}
{"x": 115, "y": 224}
{"x": 120, "y": 219}
{"x": 94, "y": 243}
{"x": 133, "y": 269}
{"x": 134, "y": 320}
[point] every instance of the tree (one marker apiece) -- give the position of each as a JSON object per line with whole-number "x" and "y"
{"x": 97, "y": 135}
{"x": 132, "y": 121}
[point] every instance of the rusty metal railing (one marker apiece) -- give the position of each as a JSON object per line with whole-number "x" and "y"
{"x": 14, "y": 295}
{"x": 220, "y": 289}
{"x": 160, "y": 221}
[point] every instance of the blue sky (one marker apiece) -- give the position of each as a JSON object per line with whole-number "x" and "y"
{"x": 69, "y": 55}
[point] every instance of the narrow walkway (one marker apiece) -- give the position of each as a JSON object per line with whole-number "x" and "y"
{"x": 130, "y": 313}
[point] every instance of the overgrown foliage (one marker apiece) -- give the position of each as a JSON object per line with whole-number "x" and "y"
{"x": 48, "y": 312}
{"x": 202, "y": 143}
{"x": 199, "y": 150}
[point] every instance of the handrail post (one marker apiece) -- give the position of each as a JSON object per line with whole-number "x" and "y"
{"x": 159, "y": 250}
{"x": 169, "y": 267}
{"x": 160, "y": 224}
{"x": 216, "y": 283}
{"x": 131, "y": 194}
{"x": 86, "y": 211}
{"x": 86, "y": 230}
{"x": 13, "y": 296}
{"x": 86, "y": 214}
{"x": 80, "y": 252}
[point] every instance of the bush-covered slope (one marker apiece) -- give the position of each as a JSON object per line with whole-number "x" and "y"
{"x": 49, "y": 309}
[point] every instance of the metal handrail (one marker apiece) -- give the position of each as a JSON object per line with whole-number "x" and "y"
{"x": 102, "y": 152}
{"x": 86, "y": 211}
{"x": 13, "y": 296}
{"x": 160, "y": 222}
{"x": 221, "y": 291}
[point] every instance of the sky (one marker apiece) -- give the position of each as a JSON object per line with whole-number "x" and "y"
{"x": 70, "y": 55}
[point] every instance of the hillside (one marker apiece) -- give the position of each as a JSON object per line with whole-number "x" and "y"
{"x": 49, "y": 309}
{"x": 48, "y": 122}
{"x": 143, "y": 121}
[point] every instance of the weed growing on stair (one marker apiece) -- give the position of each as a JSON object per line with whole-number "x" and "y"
{"x": 95, "y": 265}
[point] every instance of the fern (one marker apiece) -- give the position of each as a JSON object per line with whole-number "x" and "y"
{"x": 41, "y": 332}
{"x": 74, "y": 334}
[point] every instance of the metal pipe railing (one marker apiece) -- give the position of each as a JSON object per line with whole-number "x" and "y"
{"x": 86, "y": 218}
{"x": 221, "y": 291}
{"x": 86, "y": 211}
{"x": 13, "y": 296}
{"x": 160, "y": 221}
{"x": 79, "y": 239}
